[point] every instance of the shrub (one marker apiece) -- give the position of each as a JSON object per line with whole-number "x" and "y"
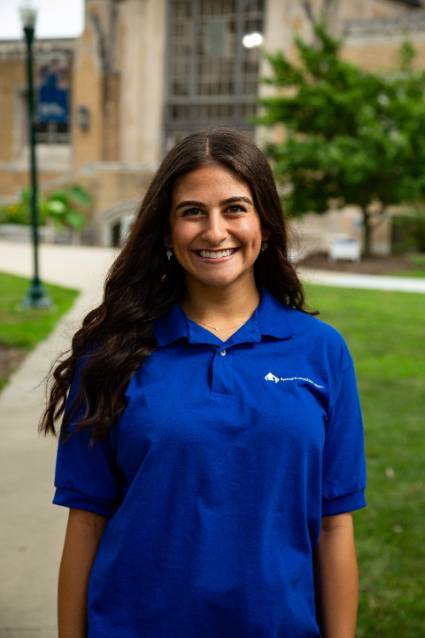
{"x": 64, "y": 207}
{"x": 408, "y": 232}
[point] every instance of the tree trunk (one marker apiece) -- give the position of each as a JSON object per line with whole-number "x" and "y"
{"x": 367, "y": 232}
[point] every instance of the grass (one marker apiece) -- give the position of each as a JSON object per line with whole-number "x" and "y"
{"x": 418, "y": 261}
{"x": 385, "y": 333}
{"x": 23, "y": 329}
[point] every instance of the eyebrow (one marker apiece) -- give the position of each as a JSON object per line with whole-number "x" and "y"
{"x": 229, "y": 200}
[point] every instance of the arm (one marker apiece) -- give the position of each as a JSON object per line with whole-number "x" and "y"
{"x": 337, "y": 577}
{"x": 83, "y": 533}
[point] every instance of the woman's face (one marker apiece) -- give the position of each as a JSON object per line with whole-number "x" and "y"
{"x": 202, "y": 218}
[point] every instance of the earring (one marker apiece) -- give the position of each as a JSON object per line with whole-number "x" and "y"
{"x": 169, "y": 254}
{"x": 264, "y": 245}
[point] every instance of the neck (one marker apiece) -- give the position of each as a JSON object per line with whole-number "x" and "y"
{"x": 220, "y": 305}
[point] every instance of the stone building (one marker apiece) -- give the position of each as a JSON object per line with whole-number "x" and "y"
{"x": 144, "y": 73}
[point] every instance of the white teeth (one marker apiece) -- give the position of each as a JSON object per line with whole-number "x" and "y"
{"x": 216, "y": 254}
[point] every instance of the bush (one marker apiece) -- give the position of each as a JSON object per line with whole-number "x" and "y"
{"x": 408, "y": 232}
{"x": 65, "y": 207}
{"x": 19, "y": 212}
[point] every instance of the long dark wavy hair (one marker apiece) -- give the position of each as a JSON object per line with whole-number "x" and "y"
{"x": 141, "y": 285}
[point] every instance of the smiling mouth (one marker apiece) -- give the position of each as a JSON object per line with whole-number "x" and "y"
{"x": 212, "y": 253}
{"x": 217, "y": 250}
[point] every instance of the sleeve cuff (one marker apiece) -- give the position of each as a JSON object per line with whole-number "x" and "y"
{"x": 344, "y": 503}
{"x": 71, "y": 499}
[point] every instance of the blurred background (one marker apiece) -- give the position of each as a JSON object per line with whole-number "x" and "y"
{"x": 333, "y": 92}
{"x": 120, "y": 81}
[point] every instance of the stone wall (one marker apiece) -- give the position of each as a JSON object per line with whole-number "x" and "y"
{"x": 375, "y": 44}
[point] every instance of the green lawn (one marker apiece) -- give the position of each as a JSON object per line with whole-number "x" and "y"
{"x": 385, "y": 333}
{"x": 25, "y": 328}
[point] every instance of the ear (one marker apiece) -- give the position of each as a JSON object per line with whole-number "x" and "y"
{"x": 265, "y": 234}
{"x": 167, "y": 241}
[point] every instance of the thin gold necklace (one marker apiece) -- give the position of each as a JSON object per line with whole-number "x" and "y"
{"x": 219, "y": 329}
{"x": 208, "y": 325}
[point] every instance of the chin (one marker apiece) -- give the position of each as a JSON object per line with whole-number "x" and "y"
{"x": 218, "y": 280}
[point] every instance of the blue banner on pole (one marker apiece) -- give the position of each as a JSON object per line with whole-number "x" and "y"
{"x": 53, "y": 93}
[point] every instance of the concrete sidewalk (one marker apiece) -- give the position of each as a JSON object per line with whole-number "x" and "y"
{"x": 371, "y": 282}
{"x": 32, "y": 530}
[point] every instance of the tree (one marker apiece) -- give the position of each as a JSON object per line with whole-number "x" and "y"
{"x": 352, "y": 136}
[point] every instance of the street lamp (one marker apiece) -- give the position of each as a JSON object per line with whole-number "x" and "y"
{"x": 36, "y": 295}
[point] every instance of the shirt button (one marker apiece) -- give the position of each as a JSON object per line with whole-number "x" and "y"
{"x": 223, "y": 353}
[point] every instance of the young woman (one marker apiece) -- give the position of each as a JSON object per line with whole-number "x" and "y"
{"x": 211, "y": 448}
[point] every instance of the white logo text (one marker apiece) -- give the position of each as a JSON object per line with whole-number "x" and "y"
{"x": 271, "y": 377}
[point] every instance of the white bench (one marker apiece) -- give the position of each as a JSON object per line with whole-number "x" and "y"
{"x": 345, "y": 248}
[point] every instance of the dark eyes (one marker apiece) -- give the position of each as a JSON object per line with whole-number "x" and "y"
{"x": 233, "y": 209}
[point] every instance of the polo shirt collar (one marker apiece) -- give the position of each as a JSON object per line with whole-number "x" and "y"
{"x": 271, "y": 318}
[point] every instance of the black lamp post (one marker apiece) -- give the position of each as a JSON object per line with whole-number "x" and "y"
{"x": 36, "y": 295}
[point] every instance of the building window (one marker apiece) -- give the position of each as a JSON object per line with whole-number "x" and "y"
{"x": 212, "y": 76}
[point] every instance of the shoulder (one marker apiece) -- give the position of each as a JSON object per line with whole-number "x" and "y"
{"x": 312, "y": 332}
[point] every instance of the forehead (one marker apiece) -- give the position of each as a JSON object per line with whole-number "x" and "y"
{"x": 209, "y": 183}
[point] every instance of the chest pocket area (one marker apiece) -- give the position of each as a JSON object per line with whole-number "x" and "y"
{"x": 291, "y": 409}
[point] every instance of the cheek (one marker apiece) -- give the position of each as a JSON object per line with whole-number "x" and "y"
{"x": 182, "y": 234}
{"x": 250, "y": 233}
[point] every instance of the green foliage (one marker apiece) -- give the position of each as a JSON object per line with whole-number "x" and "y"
{"x": 19, "y": 212}
{"x": 64, "y": 207}
{"x": 407, "y": 55}
{"x": 352, "y": 136}
{"x": 408, "y": 232}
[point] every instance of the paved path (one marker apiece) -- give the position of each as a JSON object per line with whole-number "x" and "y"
{"x": 32, "y": 530}
{"x": 374, "y": 282}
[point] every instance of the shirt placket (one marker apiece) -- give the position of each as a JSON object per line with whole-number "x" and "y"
{"x": 222, "y": 371}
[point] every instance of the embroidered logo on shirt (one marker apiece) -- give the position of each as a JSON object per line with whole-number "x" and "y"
{"x": 271, "y": 377}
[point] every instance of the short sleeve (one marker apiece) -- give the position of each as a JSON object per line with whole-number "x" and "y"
{"x": 86, "y": 475}
{"x": 344, "y": 464}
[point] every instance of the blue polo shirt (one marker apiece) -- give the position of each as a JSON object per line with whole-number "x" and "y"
{"x": 216, "y": 476}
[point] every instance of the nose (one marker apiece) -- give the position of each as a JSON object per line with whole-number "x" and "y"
{"x": 215, "y": 228}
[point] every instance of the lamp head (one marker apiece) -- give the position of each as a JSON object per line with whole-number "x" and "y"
{"x": 251, "y": 40}
{"x": 28, "y": 13}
